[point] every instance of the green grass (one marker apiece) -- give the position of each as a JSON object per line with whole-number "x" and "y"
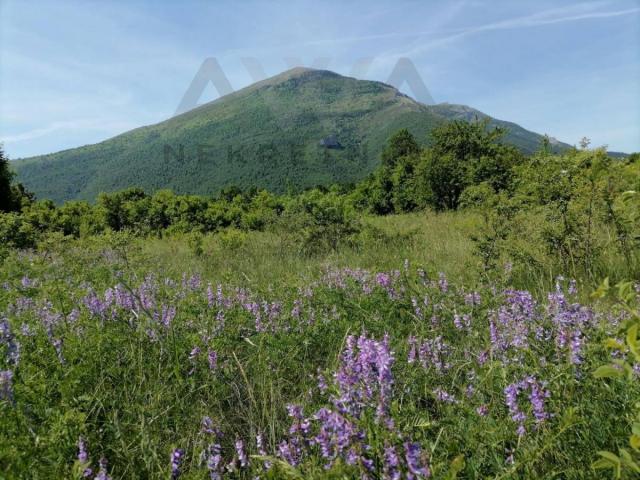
{"x": 438, "y": 240}
{"x": 442, "y": 242}
{"x": 135, "y": 395}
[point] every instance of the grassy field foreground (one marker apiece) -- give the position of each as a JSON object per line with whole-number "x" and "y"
{"x": 232, "y": 356}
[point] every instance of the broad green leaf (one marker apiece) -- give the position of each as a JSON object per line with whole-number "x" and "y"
{"x": 613, "y": 343}
{"x": 627, "y": 460}
{"x": 612, "y": 457}
{"x": 607, "y": 371}
{"x": 457, "y": 464}
{"x": 602, "y": 290}
{"x": 632, "y": 340}
{"x": 602, "y": 464}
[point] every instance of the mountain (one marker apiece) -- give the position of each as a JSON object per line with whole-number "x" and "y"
{"x": 301, "y": 128}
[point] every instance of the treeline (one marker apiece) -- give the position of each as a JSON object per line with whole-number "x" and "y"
{"x": 13, "y": 196}
{"x": 575, "y": 205}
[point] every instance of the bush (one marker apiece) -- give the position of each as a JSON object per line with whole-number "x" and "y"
{"x": 317, "y": 222}
{"x": 232, "y": 238}
{"x": 15, "y": 232}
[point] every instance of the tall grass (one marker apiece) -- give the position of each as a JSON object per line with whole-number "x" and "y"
{"x": 119, "y": 369}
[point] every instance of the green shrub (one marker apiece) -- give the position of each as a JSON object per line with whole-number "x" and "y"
{"x": 232, "y": 238}
{"x": 16, "y": 232}
{"x": 317, "y": 222}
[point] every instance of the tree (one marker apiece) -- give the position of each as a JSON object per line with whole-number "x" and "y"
{"x": 113, "y": 207}
{"x": 388, "y": 188}
{"x": 13, "y": 197}
{"x": 401, "y": 144}
{"x": 406, "y": 196}
{"x": 464, "y": 154}
{"x": 21, "y": 197}
{"x": 446, "y": 179}
{"x": 6, "y": 193}
{"x": 229, "y": 192}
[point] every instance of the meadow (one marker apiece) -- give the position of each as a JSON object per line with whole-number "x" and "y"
{"x": 235, "y": 357}
{"x": 463, "y": 312}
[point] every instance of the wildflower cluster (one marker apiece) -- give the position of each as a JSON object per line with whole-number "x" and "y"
{"x": 289, "y": 384}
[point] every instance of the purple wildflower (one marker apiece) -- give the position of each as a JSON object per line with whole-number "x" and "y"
{"x": 537, "y": 396}
{"x": 206, "y": 426}
{"x": 261, "y": 451}
{"x": 413, "y": 455}
{"x": 25, "y": 330}
{"x": 123, "y": 298}
{"x": 576, "y": 347}
{"x": 102, "y": 473}
{"x": 213, "y": 453}
{"x": 383, "y": 279}
{"x": 212, "y": 358}
{"x": 391, "y": 468}
{"x": 472, "y": 299}
{"x": 483, "y": 410}
{"x": 95, "y": 305}
{"x": 483, "y": 357}
{"x": 83, "y": 458}
{"x": 416, "y": 308}
{"x": 470, "y": 391}
{"x": 8, "y": 339}
{"x": 457, "y": 322}
{"x": 195, "y": 351}
{"x": 167, "y": 315}
{"x": 211, "y": 299}
{"x": 214, "y": 461}
{"x": 364, "y": 378}
{"x": 444, "y": 396}
{"x": 297, "y": 309}
{"x": 322, "y": 382}
{"x": 289, "y": 453}
{"x": 57, "y": 344}
{"x": 176, "y": 462}
{"x": 434, "y": 353}
{"x": 336, "y": 435}
{"x": 242, "y": 455}
{"x": 412, "y": 349}
{"x": 511, "y": 399}
{"x": 510, "y": 326}
{"x": 443, "y": 284}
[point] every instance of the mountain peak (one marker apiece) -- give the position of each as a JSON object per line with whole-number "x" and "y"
{"x": 300, "y": 73}
{"x": 299, "y": 70}
{"x": 300, "y": 128}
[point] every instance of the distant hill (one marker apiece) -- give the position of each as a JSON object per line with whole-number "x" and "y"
{"x": 299, "y": 129}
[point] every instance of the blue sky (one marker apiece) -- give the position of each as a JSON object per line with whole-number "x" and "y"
{"x": 73, "y": 73}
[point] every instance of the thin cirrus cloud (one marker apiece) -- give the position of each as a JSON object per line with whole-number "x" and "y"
{"x": 89, "y": 124}
{"x": 549, "y": 17}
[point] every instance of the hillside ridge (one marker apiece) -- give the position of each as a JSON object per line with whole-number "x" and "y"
{"x": 267, "y": 135}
